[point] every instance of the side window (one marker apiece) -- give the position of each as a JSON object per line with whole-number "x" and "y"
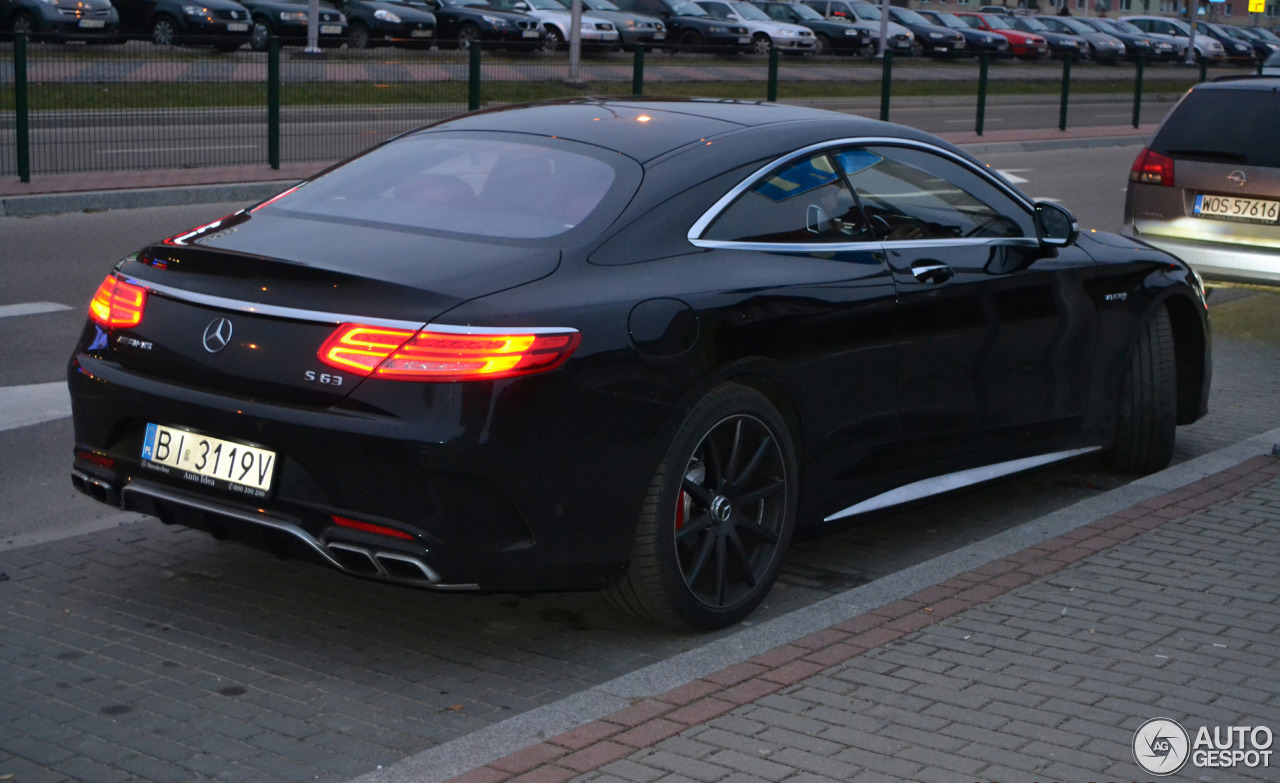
{"x": 716, "y": 10}
{"x": 910, "y": 194}
{"x": 804, "y": 202}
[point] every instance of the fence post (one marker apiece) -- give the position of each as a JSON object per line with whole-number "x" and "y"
{"x": 1066, "y": 92}
{"x": 273, "y": 103}
{"x": 637, "y": 71}
{"x": 886, "y": 78}
{"x": 772, "y": 94}
{"x": 1137, "y": 93}
{"x": 21, "y": 112}
{"x": 983, "y": 62}
{"x": 473, "y": 77}
{"x": 1204, "y": 69}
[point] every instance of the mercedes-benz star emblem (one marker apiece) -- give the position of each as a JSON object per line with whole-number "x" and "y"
{"x": 217, "y": 335}
{"x": 1237, "y": 178}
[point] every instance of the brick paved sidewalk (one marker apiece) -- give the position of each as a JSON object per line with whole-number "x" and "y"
{"x": 1037, "y": 666}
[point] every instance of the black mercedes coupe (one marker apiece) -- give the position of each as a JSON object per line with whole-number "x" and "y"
{"x": 633, "y": 345}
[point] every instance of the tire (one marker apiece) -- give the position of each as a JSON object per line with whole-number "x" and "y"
{"x": 761, "y": 44}
{"x": 717, "y": 521}
{"x": 821, "y": 44}
{"x": 689, "y": 41}
{"x": 1146, "y": 419}
{"x": 554, "y": 40}
{"x": 24, "y": 23}
{"x": 164, "y": 31}
{"x": 358, "y": 36}
{"x": 466, "y": 35}
{"x": 260, "y": 38}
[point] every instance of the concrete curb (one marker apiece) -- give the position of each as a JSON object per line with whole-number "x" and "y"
{"x": 477, "y": 749}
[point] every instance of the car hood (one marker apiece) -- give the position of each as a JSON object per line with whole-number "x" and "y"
{"x": 406, "y": 12}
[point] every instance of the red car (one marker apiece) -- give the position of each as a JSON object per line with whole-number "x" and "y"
{"x": 1027, "y": 46}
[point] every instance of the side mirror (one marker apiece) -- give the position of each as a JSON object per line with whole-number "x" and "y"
{"x": 1055, "y": 226}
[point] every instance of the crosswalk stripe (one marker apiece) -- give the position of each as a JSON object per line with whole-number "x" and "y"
{"x": 36, "y": 403}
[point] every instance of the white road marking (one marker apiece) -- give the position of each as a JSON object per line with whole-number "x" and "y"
{"x": 31, "y": 308}
{"x": 1013, "y": 178}
{"x": 36, "y": 403}
{"x": 176, "y": 149}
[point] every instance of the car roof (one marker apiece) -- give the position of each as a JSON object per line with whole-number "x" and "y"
{"x": 672, "y": 123}
{"x": 1241, "y": 83}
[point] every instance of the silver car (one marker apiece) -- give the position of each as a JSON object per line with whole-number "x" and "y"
{"x": 633, "y": 29}
{"x": 1207, "y": 187}
{"x": 555, "y": 17}
{"x": 766, "y": 33}
{"x": 1207, "y": 48}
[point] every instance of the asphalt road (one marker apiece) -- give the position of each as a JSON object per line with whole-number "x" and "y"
{"x": 202, "y": 624}
{"x": 122, "y": 140}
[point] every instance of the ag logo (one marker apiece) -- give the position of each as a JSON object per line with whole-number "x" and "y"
{"x": 1160, "y": 746}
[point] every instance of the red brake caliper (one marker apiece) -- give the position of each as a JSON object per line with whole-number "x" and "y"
{"x": 681, "y": 502}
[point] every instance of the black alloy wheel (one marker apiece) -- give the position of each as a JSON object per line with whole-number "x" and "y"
{"x": 554, "y": 40}
{"x": 467, "y": 35}
{"x": 260, "y": 38}
{"x": 358, "y": 36}
{"x": 163, "y": 31}
{"x": 23, "y": 23}
{"x": 718, "y": 519}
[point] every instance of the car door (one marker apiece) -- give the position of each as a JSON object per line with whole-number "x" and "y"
{"x": 996, "y": 333}
{"x": 811, "y": 294}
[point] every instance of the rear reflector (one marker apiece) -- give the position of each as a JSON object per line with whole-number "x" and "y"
{"x": 93, "y": 458}
{"x": 403, "y": 354}
{"x": 1152, "y": 168}
{"x": 118, "y": 304}
{"x": 367, "y": 527}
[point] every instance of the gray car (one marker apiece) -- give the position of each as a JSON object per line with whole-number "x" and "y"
{"x": 1207, "y": 187}
{"x": 61, "y": 20}
{"x": 633, "y": 29}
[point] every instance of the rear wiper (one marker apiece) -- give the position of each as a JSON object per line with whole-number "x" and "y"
{"x": 1215, "y": 154}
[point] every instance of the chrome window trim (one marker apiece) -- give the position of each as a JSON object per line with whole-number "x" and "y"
{"x": 704, "y": 222}
{"x": 322, "y": 317}
{"x": 815, "y": 248}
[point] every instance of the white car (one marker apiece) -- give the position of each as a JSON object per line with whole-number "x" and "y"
{"x": 1207, "y": 48}
{"x": 555, "y": 17}
{"x": 766, "y": 33}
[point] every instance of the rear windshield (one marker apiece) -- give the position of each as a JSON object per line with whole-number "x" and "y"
{"x": 1228, "y": 125}
{"x": 500, "y": 188}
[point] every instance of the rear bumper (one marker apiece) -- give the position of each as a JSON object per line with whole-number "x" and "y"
{"x": 1221, "y": 264}
{"x": 493, "y": 497}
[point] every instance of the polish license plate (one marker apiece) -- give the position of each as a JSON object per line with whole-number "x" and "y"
{"x": 331, "y": 29}
{"x": 1248, "y": 210}
{"x": 659, "y": 36}
{"x": 210, "y": 461}
{"x": 530, "y": 33}
{"x": 420, "y": 33}
{"x": 941, "y": 48}
{"x": 93, "y": 24}
{"x": 237, "y": 27}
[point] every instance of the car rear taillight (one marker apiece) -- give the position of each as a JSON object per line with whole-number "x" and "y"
{"x": 426, "y": 355}
{"x": 118, "y": 304}
{"x": 1152, "y": 168}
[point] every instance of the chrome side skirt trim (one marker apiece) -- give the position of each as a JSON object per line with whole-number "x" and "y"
{"x": 964, "y": 478}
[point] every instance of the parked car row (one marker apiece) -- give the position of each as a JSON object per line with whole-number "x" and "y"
{"x": 795, "y": 26}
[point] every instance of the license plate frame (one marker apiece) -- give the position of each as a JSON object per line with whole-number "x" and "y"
{"x": 1236, "y": 209}
{"x": 209, "y": 461}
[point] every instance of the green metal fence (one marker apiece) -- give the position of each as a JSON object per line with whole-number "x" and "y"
{"x": 102, "y": 108}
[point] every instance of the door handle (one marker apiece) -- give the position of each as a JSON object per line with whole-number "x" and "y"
{"x": 931, "y": 272}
